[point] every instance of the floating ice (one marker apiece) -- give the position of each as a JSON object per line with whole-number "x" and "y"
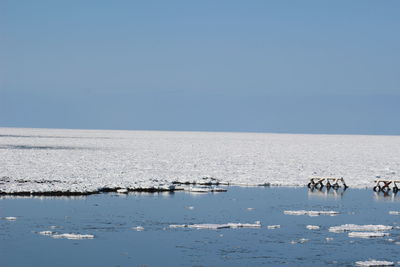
{"x": 138, "y": 228}
{"x": 310, "y": 212}
{"x": 329, "y": 239}
{"x": 374, "y": 263}
{"x": 47, "y": 233}
{"x": 72, "y": 236}
{"x": 355, "y": 227}
{"x": 367, "y": 234}
{"x": 213, "y": 226}
{"x": 190, "y": 208}
{"x": 10, "y": 218}
{"x": 394, "y": 212}
{"x": 122, "y": 191}
{"x": 274, "y": 226}
{"x": 250, "y": 209}
{"x": 312, "y": 227}
{"x": 86, "y": 161}
{"x": 300, "y": 241}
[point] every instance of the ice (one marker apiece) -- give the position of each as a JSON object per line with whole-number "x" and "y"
{"x": 355, "y": 227}
{"x": 10, "y": 218}
{"x": 367, "y": 234}
{"x": 300, "y": 241}
{"x": 394, "y": 212}
{"x": 312, "y": 227}
{"x": 46, "y": 233}
{"x": 138, "y": 228}
{"x": 72, "y": 236}
{"x": 374, "y": 263}
{"x": 213, "y": 226}
{"x": 274, "y": 226}
{"x": 310, "y": 212}
{"x": 122, "y": 191}
{"x": 60, "y": 161}
{"x": 328, "y": 239}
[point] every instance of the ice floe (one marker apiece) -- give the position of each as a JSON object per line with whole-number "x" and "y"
{"x": 46, "y": 233}
{"x": 276, "y": 226}
{"x": 10, "y": 218}
{"x": 299, "y": 241}
{"x": 88, "y": 161}
{"x": 374, "y": 263}
{"x": 214, "y": 226}
{"x": 72, "y": 236}
{"x": 310, "y": 212}
{"x": 392, "y": 212}
{"x": 355, "y": 227}
{"x": 312, "y": 227}
{"x": 368, "y": 234}
{"x": 138, "y": 228}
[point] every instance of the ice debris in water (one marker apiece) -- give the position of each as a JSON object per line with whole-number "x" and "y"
{"x": 329, "y": 239}
{"x": 274, "y": 226}
{"x": 312, "y": 227}
{"x": 47, "y": 233}
{"x": 10, "y": 218}
{"x": 250, "y": 209}
{"x": 367, "y": 234}
{"x": 300, "y": 241}
{"x": 190, "y": 208}
{"x": 355, "y": 227}
{"x": 310, "y": 212}
{"x": 72, "y": 236}
{"x": 213, "y": 226}
{"x": 374, "y": 263}
{"x": 394, "y": 212}
{"x": 122, "y": 191}
{"x": 138, "y": 228}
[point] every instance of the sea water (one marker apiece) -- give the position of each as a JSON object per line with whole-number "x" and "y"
{"x": 135, "y": 229}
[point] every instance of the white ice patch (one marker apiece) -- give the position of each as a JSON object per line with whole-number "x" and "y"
{"x": 368, "y": 234}
{"x": 10, "y": 218}
{"x": 299, "y": 241}
{"x": 138, "y": 228}
{"x": 328, "y": 239}
{"x": 46, "y": 233}
{"x": 274, "y": 226}
{"x": 312, "y": 227}
{"x": 213, "y": 226}
{"x": 392, "y": 212}
{"x": 88, "y": 160}
{"x": 72, "y": 236}
{"x": 122, "y": 191}
{"x": 311, "y": 212}
{"x": 374, "y": 263}
{"x": 355, "y": 227}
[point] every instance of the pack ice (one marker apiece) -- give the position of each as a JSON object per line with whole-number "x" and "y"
{"x": 86, "y": 161}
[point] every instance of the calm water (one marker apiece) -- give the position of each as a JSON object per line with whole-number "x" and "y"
{"x": 111, "y": 217}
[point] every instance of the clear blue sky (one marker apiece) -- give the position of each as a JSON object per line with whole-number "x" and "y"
{"x": 267, "y": 66}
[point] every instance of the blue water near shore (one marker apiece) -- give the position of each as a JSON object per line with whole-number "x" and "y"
{"x": 111, "y": 218}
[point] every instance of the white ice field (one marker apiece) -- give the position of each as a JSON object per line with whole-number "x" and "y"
{"x": 49, "y": 160}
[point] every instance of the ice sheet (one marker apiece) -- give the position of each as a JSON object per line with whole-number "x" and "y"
{"x": 355, "y": 227}
{"x": 374, "y": 263}
{"x": 77, "y": 161}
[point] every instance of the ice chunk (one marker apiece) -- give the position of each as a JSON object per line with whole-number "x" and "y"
{"x": 310, "y": 212}
{"x": 47, "y": 233}
{"x": 367, "y": 234}
{"x": 312, "y": 227}
{"x": 138, "y": 228}
{"x": 190, "y": 208}
{"x": 300, "y": 241}
{"x": 355, "y": 227}
{"x": 329, "y": 239}
{"x": 73, "y": 236}
{"x": 374, "y": 263}
{"x": 394, "y": 212}
{"x": 10, "y": 218}
{"x": 214, "y": 226}
{"x": 274, "y": 226}
{"x": 122, "y": 191}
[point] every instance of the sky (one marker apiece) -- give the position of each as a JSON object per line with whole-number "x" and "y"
{"x": 255, "y": 66}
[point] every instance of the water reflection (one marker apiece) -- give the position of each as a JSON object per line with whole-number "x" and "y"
{"x": 326, "y": 192}
{"x": 386, "y": 196}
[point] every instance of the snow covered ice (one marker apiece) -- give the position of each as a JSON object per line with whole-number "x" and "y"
{"x": 84, "y": 161}
{"x": 355, "y": 227}
{"x": 213, "y": 226}
{"x": 311, "y": 212}
{"x": 368, "y": 234}
{"x": 374, "y": 263}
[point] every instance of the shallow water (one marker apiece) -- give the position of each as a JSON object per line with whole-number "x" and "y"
{"x": 112, "y": 217}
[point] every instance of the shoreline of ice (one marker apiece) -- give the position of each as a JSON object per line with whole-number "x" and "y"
{"x": 78, "y": 162}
